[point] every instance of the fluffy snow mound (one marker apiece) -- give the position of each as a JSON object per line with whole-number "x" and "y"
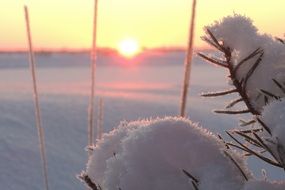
{"x": 152, "y": 154}
{"x": 239, "y": 33}
{"x": 264, "y": 185}
{"x": 273, "y": 116}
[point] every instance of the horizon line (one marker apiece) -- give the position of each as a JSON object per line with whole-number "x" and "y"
{"x": 100, "y": 49}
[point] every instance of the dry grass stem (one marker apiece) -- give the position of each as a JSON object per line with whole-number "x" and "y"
{"x": 36, "y": 99}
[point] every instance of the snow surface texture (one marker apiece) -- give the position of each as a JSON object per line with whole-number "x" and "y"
{"x": 151, "y": 154}
{"x": 239, "y": 33}
{"x": 273, "y": 116}
{"x": 264, "y": 185}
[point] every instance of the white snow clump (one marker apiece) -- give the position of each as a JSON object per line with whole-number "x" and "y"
{"x": 273, "y": 116}
{"x": 152, "y": 154}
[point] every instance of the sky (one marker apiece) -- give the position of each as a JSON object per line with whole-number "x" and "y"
{"x": 61, "y": 24}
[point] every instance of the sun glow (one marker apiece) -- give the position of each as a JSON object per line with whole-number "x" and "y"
{"x": 128, "y": 47}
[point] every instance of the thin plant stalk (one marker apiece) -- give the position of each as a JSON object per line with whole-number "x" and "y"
{"x": 36, "y": 100}
{"x": 93, "y": 72}
{"x": 188, "y": 62}
{"x": 100, "y": 119}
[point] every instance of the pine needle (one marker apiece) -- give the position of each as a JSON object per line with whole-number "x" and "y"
{"x": 222, "y": 93}
{"x": 237, "y": 165}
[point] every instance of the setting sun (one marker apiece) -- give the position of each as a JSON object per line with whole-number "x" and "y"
{"x": 128, "y": 47}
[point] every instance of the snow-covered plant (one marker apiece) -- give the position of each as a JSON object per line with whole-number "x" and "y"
{"x": 164, "y": 154}
{"x": 256, "y": 66}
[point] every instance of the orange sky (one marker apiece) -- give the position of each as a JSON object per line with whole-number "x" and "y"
{"x": 154, "y": 23}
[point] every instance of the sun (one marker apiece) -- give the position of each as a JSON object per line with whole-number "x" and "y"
{"x": 128, "y": 47}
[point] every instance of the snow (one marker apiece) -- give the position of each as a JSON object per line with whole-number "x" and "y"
{"x": 273, "y": 116}
{"x": 64, "y": 89}
{"x": 151, "y": 154}
{"x": 239, "y": 33}
{"x": 264, "y": 185}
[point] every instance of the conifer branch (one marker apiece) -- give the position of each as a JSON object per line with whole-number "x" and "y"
{"x": 254, "y": 152}
{"x": 239, "y": 85}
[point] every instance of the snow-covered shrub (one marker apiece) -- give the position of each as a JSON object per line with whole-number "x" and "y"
{"x": 256, "y": 69}
{"x": 255, "y": 61}
{"x": 164, "y": 154}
